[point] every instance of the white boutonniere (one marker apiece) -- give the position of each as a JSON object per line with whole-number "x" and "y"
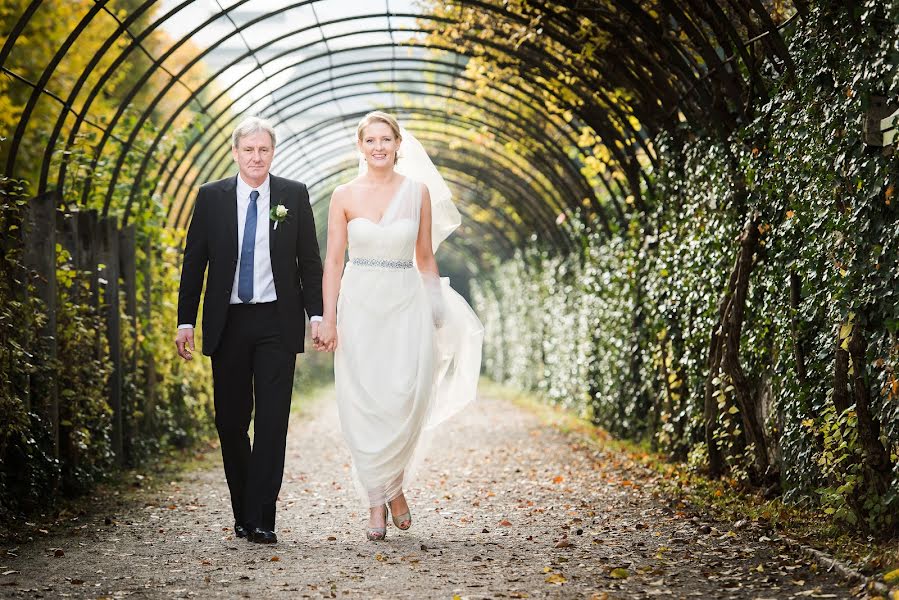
{"x": 278, "y": 214}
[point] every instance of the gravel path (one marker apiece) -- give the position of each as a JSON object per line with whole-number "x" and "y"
{"x": 507, "y": 507}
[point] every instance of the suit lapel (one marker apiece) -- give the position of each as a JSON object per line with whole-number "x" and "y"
{"x": 229, "y": 199}
{"x": 276, "y": 197}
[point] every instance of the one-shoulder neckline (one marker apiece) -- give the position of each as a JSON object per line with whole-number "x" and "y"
{"x": 386, "y": 208}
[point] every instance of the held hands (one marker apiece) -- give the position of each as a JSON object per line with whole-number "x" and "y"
{"x": 184, "y": 339}
{"x": 324, "y": 336}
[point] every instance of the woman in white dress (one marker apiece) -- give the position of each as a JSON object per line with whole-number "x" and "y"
{"x": 407, "y": 347}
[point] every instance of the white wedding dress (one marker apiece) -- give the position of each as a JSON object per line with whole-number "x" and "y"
{"x": 397, "y": 374}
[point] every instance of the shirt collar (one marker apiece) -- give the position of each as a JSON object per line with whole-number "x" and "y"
{"x": 244, "y": 189}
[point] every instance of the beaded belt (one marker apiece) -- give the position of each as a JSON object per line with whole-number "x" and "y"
{"x": 382, "y": 263}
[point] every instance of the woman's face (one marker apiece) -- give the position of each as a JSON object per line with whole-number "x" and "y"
{"x": 379, "y": 145}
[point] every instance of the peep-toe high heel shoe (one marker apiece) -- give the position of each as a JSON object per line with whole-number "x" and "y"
{"x": 376, "y": 534}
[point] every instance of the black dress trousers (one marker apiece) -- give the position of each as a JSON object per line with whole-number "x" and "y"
{"x": 252, "y": 366}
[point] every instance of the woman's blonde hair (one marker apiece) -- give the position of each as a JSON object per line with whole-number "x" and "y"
{"x": 378, "y": 116}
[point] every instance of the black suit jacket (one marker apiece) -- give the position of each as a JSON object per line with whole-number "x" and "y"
{"x": 212, "y": 241}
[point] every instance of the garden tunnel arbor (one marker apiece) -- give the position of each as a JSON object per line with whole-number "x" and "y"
{"x": 314, "y": 66}
{"x": 551, "y": 121}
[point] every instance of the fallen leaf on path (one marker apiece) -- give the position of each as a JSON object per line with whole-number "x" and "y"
{"x": 506, "y": 523}
{"x": 619, "y": 573}
{"x": 556, "y": 578}
{"x": 274, "y": 559}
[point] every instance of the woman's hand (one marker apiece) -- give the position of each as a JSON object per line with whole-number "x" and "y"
{"x": 327, "y": 337}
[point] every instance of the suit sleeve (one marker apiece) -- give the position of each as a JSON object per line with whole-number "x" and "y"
{"x": 193, "y": 267}
{"x": 308, "y": 257}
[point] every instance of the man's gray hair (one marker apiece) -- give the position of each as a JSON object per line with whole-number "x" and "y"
{"x": 249, "y": 126}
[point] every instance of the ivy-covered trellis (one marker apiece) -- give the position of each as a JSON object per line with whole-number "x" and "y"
{"x": 672, "y": 221}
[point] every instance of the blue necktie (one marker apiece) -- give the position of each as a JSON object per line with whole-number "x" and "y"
{"x": 247, "y": 249}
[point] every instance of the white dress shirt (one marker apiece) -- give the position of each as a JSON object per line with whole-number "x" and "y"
{"x": 263, "y": 280}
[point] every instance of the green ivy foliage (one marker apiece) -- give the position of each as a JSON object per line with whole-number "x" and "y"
{"x": 621, "y": 333}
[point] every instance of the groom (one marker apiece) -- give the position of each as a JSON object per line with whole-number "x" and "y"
{"x": 253, "y": 237}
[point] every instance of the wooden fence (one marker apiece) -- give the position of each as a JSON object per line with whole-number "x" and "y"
{"x": 107, "y": 253}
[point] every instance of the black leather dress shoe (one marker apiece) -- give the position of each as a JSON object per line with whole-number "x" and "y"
{"x": 240, "y": 531}
{"x": 262, "y": 536}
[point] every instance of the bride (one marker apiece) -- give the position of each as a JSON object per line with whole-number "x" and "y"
{"x": 407, "y": 347}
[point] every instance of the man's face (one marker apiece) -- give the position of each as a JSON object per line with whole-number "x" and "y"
{"x": 253, "y": 155}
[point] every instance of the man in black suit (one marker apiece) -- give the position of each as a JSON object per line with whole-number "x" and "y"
{"x": 253, "y": 236}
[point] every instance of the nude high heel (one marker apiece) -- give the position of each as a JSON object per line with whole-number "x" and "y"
{"x": 376, "y": 534}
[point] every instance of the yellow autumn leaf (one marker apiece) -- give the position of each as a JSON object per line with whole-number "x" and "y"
{"x": 619, "y": 573}
{"x": 845, "y": 330}
{"x": 891, "y": 577}
{"x": 556, "y": 578}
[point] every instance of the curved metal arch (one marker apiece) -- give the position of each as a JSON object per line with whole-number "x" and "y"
{"x": 254, "y": 21}
{"x": 190, "y": 64}
{"x": 223, "y": 155}
{"x": 214, "y": 169}
{"x": 544, "y": 191}
{"x": 548, "y": 144}
{"x": 135, "y": 43}
{"x": 211, "y": 132}
{"x": 521, "y": 192}
{"x": 482, "y": 5}
{"x": 76, "y": 88}
{"x": 548, "y": 172}
{"x": 586, "y": 191}
{"x": 60, "y": 53}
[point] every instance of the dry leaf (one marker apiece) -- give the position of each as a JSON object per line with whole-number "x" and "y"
{"x": 619, "y": 573}
{"x": 506, "y": 523}
{"x": 556, "y": 578}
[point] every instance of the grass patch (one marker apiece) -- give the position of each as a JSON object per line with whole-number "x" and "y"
{"x": 722, "y": 499}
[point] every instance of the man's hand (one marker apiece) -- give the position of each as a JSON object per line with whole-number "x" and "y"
{"x": 314, "y": 325}
{"x": 184, "y": 339}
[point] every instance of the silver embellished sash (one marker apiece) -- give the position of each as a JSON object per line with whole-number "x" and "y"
{"x": 382, "y": 263}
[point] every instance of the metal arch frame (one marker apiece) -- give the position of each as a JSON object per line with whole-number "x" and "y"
{"x": 82, "y": 79}
{"x": 212, "y": 132}
{"x": 137, "y": 39}
{"x": 586, "y": 191}
{"x": 523, "y": 192}
{"x": 575, "y": 174}
{"x": 693, "y": 9}
{"x": 568, "y": 43}
{"x": 135, "y": 130}
{"x": 60, "y": 53}
{"x": 538, "y": 206}
{"x": 203, "y": 169}
{"x": 284, "y": 148}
